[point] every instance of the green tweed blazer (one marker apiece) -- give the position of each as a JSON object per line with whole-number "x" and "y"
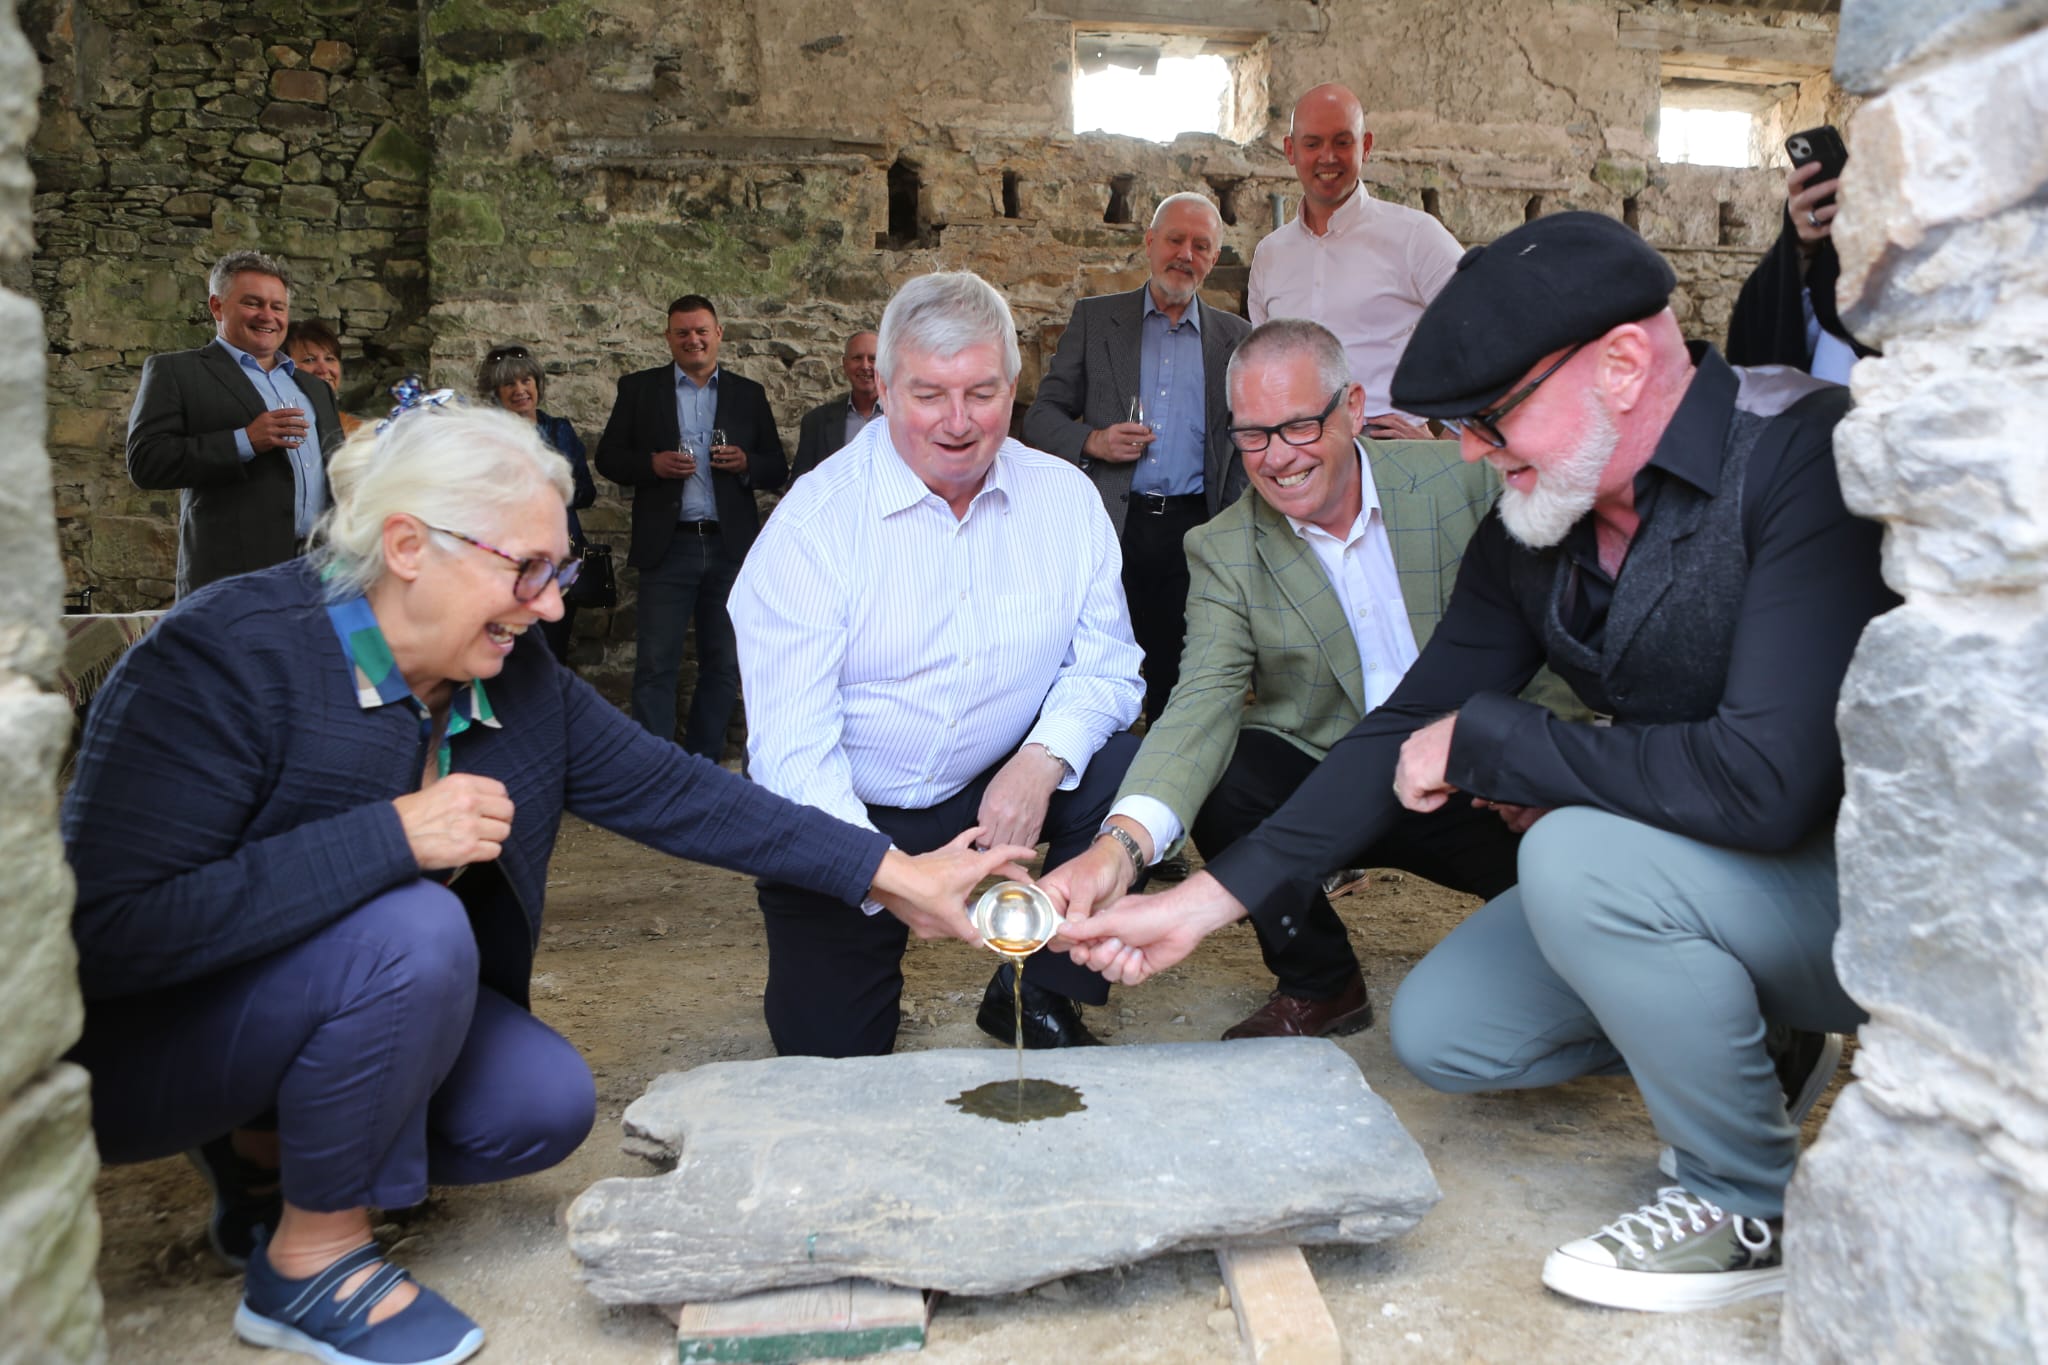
{"x": 1262, "y": 617}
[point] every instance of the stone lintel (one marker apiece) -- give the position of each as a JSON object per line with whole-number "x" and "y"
{"x": 1735, "y": 43}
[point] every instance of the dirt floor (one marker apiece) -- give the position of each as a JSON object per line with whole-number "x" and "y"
{"x": 651, "y": 965}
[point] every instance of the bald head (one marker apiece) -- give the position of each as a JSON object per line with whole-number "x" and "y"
{"x": 1327, "y": 145}
{"x": 1331, "y": 102}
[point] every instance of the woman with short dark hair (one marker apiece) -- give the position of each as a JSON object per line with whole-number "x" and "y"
{"x": 511, "y": 377}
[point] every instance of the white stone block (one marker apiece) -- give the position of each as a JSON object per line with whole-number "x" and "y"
{"x": 49, "y": 1229}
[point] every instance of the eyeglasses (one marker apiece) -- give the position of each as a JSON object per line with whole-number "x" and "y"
{"x": 498, "y": 353}
{"x": 534, "y": 573}
{"x": 1485, "y": 425}
{"x": 1301, "y": 431}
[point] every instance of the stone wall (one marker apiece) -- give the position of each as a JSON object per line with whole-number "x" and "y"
{"x": 595, "y": 160}
{"x": 172, "y": 132}
{"x": 49, "y": 1230}
{"x": 1917, "y": 1228}
{"x": 583, "y": 161}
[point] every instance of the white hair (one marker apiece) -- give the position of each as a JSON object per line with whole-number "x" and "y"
{"x": 942, "y": 314}
{"x": 464, "y": 468}
{"x": 1188, "y": 197}
{"x": 1567, "y": 487}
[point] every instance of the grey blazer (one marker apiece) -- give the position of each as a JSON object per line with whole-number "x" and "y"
{"x": 233, "y": 516}
{"x": 1089, "y": 385}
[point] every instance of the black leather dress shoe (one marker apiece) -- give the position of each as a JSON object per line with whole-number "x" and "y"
{"x": 1050, "y": 1020}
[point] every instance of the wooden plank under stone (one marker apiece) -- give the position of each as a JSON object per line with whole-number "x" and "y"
{"x": 1281, "y": 1316}
{"x": 840, "y": 1319}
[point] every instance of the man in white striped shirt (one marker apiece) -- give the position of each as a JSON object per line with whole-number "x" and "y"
{"x": 935, "y": 643}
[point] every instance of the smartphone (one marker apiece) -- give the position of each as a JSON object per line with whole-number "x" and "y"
{"x": 1823, "y": 144}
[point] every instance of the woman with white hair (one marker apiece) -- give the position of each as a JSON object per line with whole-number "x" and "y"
{"x": 311, "y": 828}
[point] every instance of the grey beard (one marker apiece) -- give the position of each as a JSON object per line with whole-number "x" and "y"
{"x": 1565, "y": 492}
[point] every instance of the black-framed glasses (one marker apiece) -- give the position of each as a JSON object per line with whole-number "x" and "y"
{"x": 534, "y": 573}
{"x": 1485, "y": 426}
{"x": 498, "y": 353}
{"x": 1300, "y": 431}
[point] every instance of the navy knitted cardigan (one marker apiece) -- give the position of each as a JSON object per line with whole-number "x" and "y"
{"x": 233, "y": 797}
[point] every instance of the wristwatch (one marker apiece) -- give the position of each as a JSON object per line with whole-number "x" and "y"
{"x": 1131, "y": 848}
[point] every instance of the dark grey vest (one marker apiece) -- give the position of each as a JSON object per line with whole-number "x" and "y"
{"x": 1671, "y": 623}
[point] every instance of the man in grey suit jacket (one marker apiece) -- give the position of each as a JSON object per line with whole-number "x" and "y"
{"x": 241, "y": 430}
{"x": 1165, "y": 466}
{"x": 838, "y": 420}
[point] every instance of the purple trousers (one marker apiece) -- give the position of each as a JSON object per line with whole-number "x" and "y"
{"x": 385, "y": 1063}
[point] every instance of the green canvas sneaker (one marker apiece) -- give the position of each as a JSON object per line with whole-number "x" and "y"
{"x": 1676, "y": 1255}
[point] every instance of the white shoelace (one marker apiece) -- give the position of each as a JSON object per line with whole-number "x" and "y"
{"x": 1677, "y": 1212}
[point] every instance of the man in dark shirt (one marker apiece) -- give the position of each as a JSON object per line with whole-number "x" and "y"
{"x": 1672, "y": 542}
{"x": 835, "y": 422}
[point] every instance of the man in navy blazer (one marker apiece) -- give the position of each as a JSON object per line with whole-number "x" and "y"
{"x": 839, "y": 419}
{"x": 238, "y": 428}
{"x": 1173, "y": 467}
{"x": 693, "y": 515}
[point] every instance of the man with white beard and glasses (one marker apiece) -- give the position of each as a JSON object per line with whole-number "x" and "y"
{"x": 1672, "y": 542}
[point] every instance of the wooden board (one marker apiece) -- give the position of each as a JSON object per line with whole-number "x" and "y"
{"x": 843, "y": 1318}
{"x": 1281, "y": 1316}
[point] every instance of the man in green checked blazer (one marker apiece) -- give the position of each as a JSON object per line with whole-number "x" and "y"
{"x": 1314, "y": 595}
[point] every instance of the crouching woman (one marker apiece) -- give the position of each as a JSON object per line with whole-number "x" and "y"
{"x": 311, "y": 829}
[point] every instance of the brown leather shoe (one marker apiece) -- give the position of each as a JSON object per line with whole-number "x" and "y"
{"x": 1290, "y": 1016}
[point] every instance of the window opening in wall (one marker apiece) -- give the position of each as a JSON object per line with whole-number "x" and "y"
{"x": 907, "y": 227}
{"x": 1119, "y": 210}
{"x": 1532, "y": 210}
{"x": 1433, "y": 203}
{"x": 1013, "y": 196}
{"x": 1126, "y": 86}
{"x": 1706, "y": 137}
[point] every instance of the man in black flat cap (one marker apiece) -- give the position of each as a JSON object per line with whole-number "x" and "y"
{"x": 1672, "y": 542}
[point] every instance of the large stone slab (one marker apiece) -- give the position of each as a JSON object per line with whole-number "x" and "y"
{"x": 801, "y": 1170}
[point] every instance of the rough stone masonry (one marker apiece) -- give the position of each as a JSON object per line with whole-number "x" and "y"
{"x": 1917, "y": 1227}
{"x": 49, "y": 1230}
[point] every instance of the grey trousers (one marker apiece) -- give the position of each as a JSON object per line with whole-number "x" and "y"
{"x": 1628, "y": 949}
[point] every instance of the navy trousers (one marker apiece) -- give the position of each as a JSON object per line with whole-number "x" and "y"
{"x": 691, "y": 583}
{"x": 387, "y": 1066}
{"x": 835, "y": 975}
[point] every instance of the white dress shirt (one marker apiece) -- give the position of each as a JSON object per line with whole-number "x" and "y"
{"x": 1360, "y": 567}
{"x": 1367, "y": 279}
{"x": 892, "y": 652}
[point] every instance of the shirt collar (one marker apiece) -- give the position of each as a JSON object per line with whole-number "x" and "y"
{"x": 1347, "y": 215}
{"x": 249, "y": 362}
{"x": 377, "y": 679}
{"x": 1693, "y": 442}
{"x": 897, "y": 486}
{"x": 1369, "y": 503}
{"x": 682, "y": 378}
{"x": 1193, "y": 312}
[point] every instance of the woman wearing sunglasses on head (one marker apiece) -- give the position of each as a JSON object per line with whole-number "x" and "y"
{"x": 512, "y": 378}
{"x": 311, "y": 828}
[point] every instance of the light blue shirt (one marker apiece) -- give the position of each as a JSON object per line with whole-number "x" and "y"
{"x": 1170, "y": 380}
{"x": 278, "y": 388}
{"x": 696, "y": 415}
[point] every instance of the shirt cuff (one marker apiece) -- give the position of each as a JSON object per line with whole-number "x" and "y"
{"x": 243, "y": 447}
{"x": 1156, "y": 816}
{"x": 1062, "y": 741}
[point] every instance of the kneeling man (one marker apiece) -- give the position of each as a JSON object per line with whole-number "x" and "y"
{"x": 1672, "y": 541}
{"x": 933, "y": 635}
{"x": 1313, "y": 594}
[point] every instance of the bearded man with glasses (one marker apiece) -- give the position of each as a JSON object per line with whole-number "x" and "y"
{"x": 1313, "y": 594}
{"x": 1672, "y": 541}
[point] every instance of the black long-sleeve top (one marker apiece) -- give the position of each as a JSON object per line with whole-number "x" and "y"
{"x": 1760, "y": 772}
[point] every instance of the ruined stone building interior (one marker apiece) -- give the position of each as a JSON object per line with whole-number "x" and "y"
{"x": 441, "y": 175}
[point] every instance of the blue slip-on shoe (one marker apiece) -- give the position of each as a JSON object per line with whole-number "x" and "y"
{"x": 304, "y": 1315}
{"x": 246, "y": 1199}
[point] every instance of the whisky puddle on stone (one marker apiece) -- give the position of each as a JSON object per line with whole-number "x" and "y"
{"x": 1021, "y": 1101}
